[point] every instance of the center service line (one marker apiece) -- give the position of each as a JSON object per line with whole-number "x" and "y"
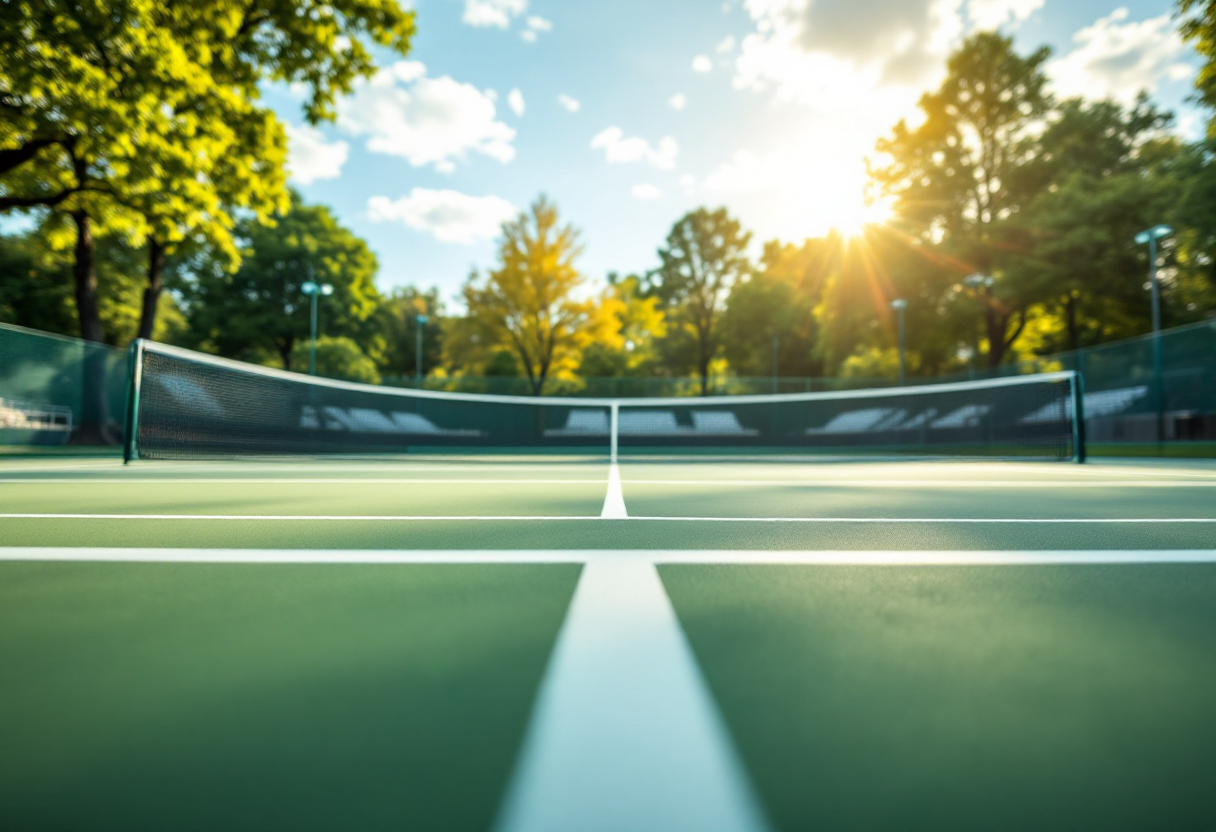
{"x": 625, "y": 735}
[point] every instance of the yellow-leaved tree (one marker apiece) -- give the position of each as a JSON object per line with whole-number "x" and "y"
{"x": 533, "y": 303}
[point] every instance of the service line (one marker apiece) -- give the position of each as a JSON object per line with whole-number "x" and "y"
{"x": 961, "y": 557}
{"x": 411, "y": 518}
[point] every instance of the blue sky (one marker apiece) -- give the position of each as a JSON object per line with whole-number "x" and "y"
{"x": 630, "y": 113}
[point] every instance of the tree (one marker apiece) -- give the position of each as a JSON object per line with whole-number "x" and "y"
{"x": 35, "y": 291}
{"x": 338, "y": 358}
{"x": 145, "y": 115}
{"x": 779, "y": 303}
{"x": 397, "y": 318}
{"x": 1100, "y": 171}
{"x": 955, "y": 178}
{"x": 704, "y": 256}
{"x": 1199, "y": 27}
{"x": 641, "y": 324}
{"x": 1190, "y": 287}
{"x": 531, "y": 304}
{"x": 259, "y": 311}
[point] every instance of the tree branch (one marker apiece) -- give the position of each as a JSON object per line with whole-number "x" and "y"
{"x": 15, "y": 157}
{"x": 10, "y": 203}
{"x": 1017, "y": 333}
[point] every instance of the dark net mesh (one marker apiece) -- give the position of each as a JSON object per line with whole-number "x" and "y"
{"x": 193, "y": 406}
{"x": 1032, "y": 418}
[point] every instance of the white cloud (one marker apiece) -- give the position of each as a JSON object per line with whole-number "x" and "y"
{"x": 311, "y": 157}
{"x": 744, "y": 172}
{"x": 830, "y": 54}
{"x": 702, "y": 63}
{"x": 992, "y": 14}
{"x": 515, "y": 100}
{"x": 535, "y": 26}
{"x": 646, "y": 192}
{"x": 493, "y": 12}
{"x": 448, "y": 216}
{"x": 678, "y": 101}
{"x": 619, "y": 149}
{"x": 571, "y": 105}
{"x": 1117, "y": 58}
{"x": 426, "y": 121}
{"x": 727, "y": 45}
{"x": 688, "y": 181}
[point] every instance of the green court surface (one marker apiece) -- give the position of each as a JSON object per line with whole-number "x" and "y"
{"x": 945, "y": 698}
{"x": 234, "y": 697}
{"x": 510, "y": 644}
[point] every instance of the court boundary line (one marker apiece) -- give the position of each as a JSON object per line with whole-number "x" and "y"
{"x": 659, "y": 557}
{"x": 854, "y": 484}
{"x": 417, "y": 518}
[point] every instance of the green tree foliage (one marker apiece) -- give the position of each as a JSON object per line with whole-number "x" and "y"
{"x": 142, "y": 118}
{"x": 704, "y": 257}
{"x": 1190, "y": 285}
{"x": 338, "y": 358}
{"x": 1199, "y": 27}
{"x": 35, "y": 291}
{"x": 36, "y": 288}
{"x": 955, "y": 178}
{"x": 875, "y": 363}
{"x": 641, "y": 325}
{"x": 530, "y": 303}
{"x": 259, "y": 312}
{"x": 774, "y": 311}
{"x": 1102, "y": 179}
{"x": 397, "y": 320}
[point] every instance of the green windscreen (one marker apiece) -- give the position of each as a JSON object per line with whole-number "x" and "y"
{"x": 195, "y": 406}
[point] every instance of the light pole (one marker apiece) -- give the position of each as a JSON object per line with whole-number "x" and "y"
{"x": 420, "y": 321}
{"x": 1151, "y": 236}
{"x": 312, "y": 290}
{"x": 899, "y": 305}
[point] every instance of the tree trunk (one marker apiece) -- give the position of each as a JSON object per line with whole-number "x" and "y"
{"x": 84, "y": 272}
{"x": 156, "y": 270}
{"x": 1070, "y": 316}
{"x": 996, "y": 339}
{"x": 96, "y": 427}
{"x": 285, "y": 352}
{"x": 703, "y": 358}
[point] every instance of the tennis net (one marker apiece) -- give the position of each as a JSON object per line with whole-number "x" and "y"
{"x": 186, "y": 405}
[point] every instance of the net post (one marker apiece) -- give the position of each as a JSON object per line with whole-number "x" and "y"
{"x": 130, "y": 448}
{"x": 1077, "y": 388}
{"x": 614, "y": 428}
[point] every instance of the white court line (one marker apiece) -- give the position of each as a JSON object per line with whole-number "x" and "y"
{"x": 411, "y": 518}
{"x": 704, "y": 483}
{"x": 136, "y": 480}
{"x": 656, "y": 556}
{"x": 614, "y": 499}
{"x": 625, "y": 735}
{"x": 947, "y": 484}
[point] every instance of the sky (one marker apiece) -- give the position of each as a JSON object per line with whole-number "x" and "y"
{"x": 630, "y": 113}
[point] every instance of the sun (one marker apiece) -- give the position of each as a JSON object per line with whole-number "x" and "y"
{"x": 855, "y": 217}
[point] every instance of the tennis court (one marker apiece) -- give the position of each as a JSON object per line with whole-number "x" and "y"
{"x": 313, "y": 605}
{"x": 435, "y": 642}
